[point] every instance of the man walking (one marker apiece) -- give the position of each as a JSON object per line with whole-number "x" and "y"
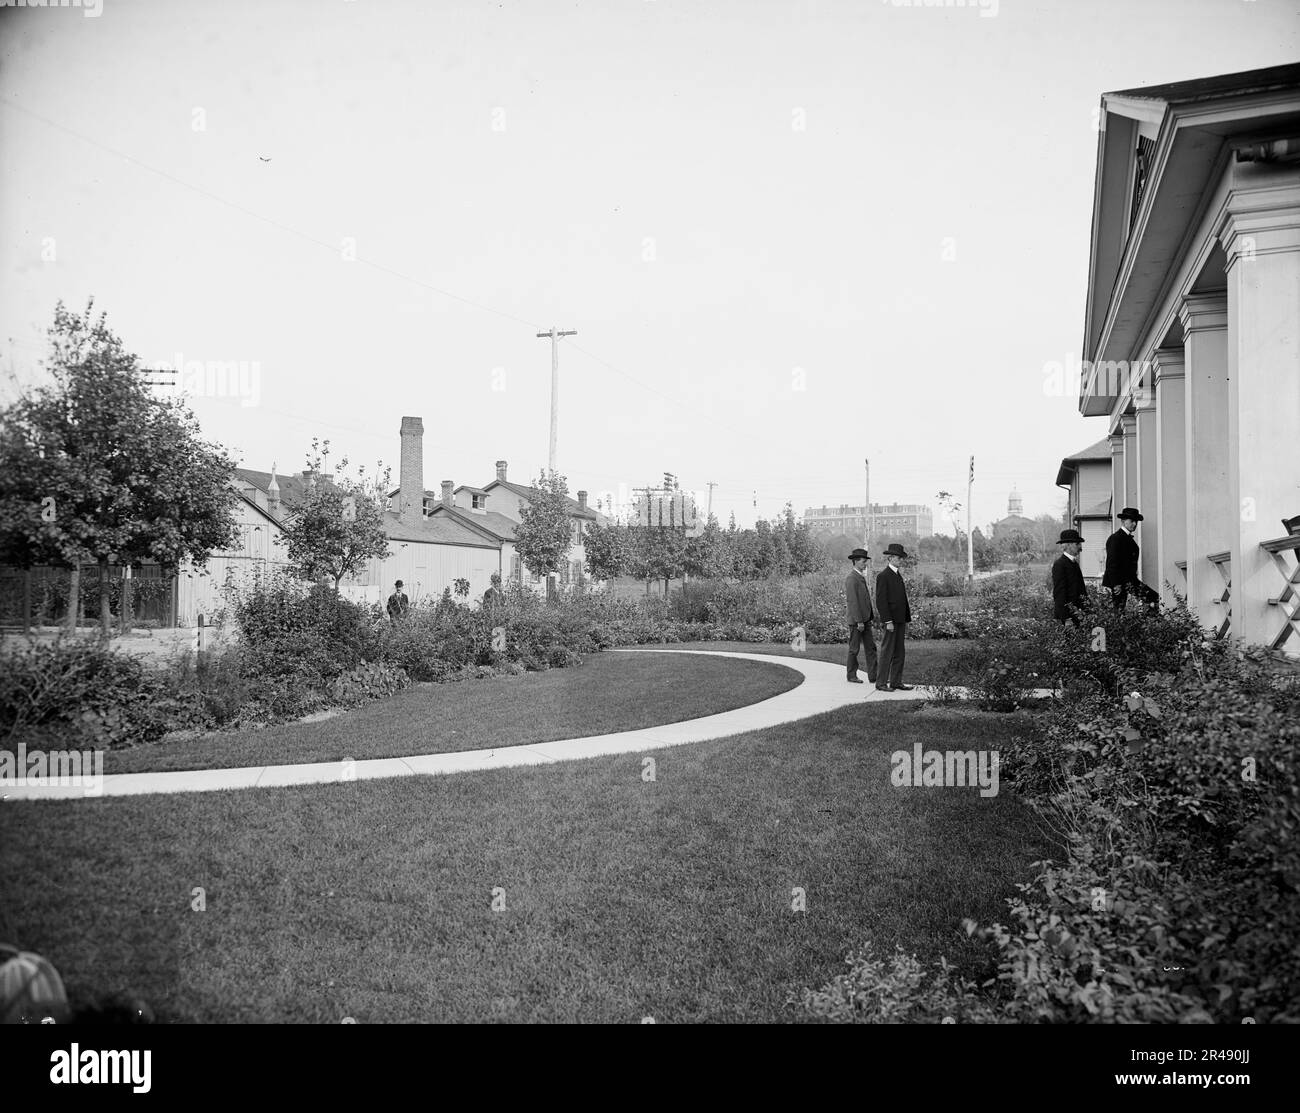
{"x": 1122, "y": 563}
{"x": 895, "y": 613}
{"x": 1069, "y": 592}
{"x": 859, "y": 603}
{"x": 398, "y": 603}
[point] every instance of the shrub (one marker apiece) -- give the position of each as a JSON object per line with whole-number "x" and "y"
{"x": 897, "y": 991}
{"x": 368, "y": 681}
{"x": 76, "y": 694}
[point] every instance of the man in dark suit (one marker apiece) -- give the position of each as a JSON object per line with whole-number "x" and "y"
{"x": 1069, "y": 592}
{"x": 398, "y": 604}
{"x": 1121, "y": 573}
{"x": 895, "y": 613}
{"x": 860, "y": 613}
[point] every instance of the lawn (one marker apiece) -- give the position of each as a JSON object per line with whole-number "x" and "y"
{"x": 624, "y": 897}
{"x": 608, "y": 692}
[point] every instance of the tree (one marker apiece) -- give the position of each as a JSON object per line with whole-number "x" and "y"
{"x": 543, "y": 537}
{"x": 608, "y": 550}
{"x": 98, "y": 469}
{"x": 337, "y": 525}
{"x": 950, "y": 506}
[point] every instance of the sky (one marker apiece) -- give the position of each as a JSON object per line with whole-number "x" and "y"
{"x": 791, "y": 234}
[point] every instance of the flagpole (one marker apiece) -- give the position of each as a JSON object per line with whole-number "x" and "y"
{"x": 970, "y": 538}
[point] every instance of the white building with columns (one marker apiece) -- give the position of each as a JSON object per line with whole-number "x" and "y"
{"x": 1192, "y": 340}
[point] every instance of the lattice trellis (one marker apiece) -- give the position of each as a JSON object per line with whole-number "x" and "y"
{"x": 1223, "y": 562}
{"x": 1288, "y": 602}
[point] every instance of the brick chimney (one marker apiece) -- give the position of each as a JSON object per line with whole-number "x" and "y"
{"x": 448, "y": 499}
{"x": 410, "y": 496}
{"x": 582, "y": 499}
{"x": 273, "y": 495}
{"x": 501, "y": 471}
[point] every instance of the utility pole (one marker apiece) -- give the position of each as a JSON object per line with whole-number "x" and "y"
{"x": 555, "y": 384}
{"x": 709, "y": 513}
{"x": 970, "y": 537}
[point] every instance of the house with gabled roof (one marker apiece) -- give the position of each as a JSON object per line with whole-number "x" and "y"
{"x": 1086, "y": 475}
{"x": 494, "y": 510}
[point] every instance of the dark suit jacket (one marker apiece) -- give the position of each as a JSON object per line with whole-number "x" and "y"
{"x": 859, "y": 598}
{"x": 1068, "y": 588}
{"x": 891, "y": 597}
{"x": 1121, "y": 559}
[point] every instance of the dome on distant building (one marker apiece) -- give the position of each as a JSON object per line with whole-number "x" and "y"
{"x": 1015, "y": 521}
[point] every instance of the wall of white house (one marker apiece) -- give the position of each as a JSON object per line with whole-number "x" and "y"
{"x": 425, "y": 570}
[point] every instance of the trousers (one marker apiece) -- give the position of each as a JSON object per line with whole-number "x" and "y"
{"x": 862, "y": 639}
{"x": 893, "y": 653}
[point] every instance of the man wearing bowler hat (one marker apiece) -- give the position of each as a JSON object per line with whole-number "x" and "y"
{"x": 859, "y": 601}
{"x": 1121, "y": 573}
{"x": 1069, "y": 592}
{"x": 895, "y": 613}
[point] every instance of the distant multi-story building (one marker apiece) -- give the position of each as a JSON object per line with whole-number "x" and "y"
{"x": 884, "y": 520}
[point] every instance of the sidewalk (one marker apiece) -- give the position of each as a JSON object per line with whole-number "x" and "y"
{"x": 823, "y": 689}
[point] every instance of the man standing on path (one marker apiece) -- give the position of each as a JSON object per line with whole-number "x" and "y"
{"x": 859, "y": 602}
{"x": 1122, "y": 563}
{"x": 398, "y": 603}
{"x": 1069, "y": 592}
{"x": 895, "y": 613}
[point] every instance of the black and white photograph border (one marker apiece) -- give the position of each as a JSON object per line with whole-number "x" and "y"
{"x": 722, "y": 700}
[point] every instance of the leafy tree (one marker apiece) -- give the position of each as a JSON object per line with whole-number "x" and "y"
{"x": 608, "y": 550}
{"x": 337, "y": 525}
{"x": 97, "y": 469}
{"x": 543, "y": 537}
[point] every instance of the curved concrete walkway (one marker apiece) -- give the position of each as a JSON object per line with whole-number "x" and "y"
{"x": 823, "y": 689}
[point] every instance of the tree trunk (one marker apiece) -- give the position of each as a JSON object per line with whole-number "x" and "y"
{"x": 74, "y": 599}
{"x": 127, "y": 585}
{"x": 27, "y": 600}
{"x": 105, "y": 612}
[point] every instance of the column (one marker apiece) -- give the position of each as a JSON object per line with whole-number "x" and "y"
{"x": 1263, "y": 253}
{"x": 1128, "y": 427}
{"x": 1171, "y": 465}
{"x": 1116, "y": 477}
{"x": 1148, "y": 458}
{"x": 1211, "y": 517}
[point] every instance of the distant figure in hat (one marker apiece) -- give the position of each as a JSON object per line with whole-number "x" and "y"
{"x": 860, "y": 615}
{"x": 895, "y": 613}
{"x": 1122, "y": 563}
{"x": 398, "y": 603}
{"x": 1069, "y": 592}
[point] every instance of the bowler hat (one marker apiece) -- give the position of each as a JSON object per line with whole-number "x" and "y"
{"x": 859, "y": 553}
{"x": 398, "y": 584}
{"x": 1068, "y": 535}
{"x": 895, "y": 549}
{"x": 1130, "y": 513}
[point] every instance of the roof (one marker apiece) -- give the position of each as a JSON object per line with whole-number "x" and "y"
{"x": 1242, "y": 83}
{"x": 1097, "y": 453}
{"x": 434, "y": 531}
{"x": 292, "y": 487}
{"x": 494, "y": 524}
{"x": 437, "y": 530}
{"x": 532, "y": 493}
{"x": 471, "y": 490}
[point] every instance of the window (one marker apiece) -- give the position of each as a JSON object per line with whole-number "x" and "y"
{"x": 576, "y": 531}
{"x": 515, "y": 569}
{"x": 478, "y": 502}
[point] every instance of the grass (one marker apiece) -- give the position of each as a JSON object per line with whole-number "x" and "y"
{"x": 624, "y": 897}
{"x": 608, "y": 692}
